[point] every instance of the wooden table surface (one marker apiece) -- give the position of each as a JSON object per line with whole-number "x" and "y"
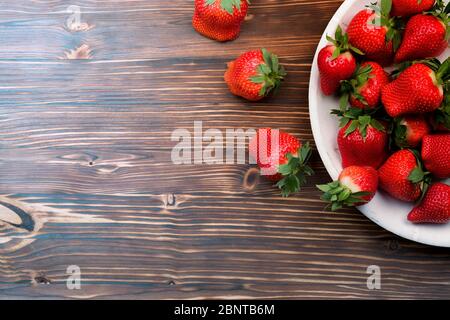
{"x": 87, "y": 112}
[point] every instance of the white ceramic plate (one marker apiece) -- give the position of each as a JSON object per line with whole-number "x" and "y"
{"x": 383, "y": 210}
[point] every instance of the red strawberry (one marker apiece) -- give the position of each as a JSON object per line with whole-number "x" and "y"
{"x": 402, "y": 176}
{"x": 436, "y": 154}
{"x": 336, "y": 62}
{"x": 356, "y": 186}
{"x": 425, "y": 37}
{"x": 410, "y": 130}
{"x": 254, "y": 75}
{"x": 364, "y": 89}
{"x": 282, "y": 158}
{"x": 374, "y": 33}
{"x": 362, "y": 142}
{"x": 435, "y": 207}
{"x": 406, "y": 8}
{"x": 418, "y": 89}
{"x": 219, "y": 19}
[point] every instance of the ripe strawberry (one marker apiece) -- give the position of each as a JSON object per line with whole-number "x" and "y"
{"x": 436, "y": 154}
{"x": 402, "y": 176}
{"x": 418, "y": 89}
{"x": 362, "y": 141}
{"x": 336, "y": 62}
{"x": 364, "y": 89}
{"x": 406, "y": 8}
{"x": 254, "y": 75}
{"x": 435, "y": 207}
{"x": 410, "y": 130}
{"x": 376, "y": 34}
{"x": 356, "y": 186}
{"x": 426, "y": 35}
{"x": 219, "y": 19}
{"x": 282, "y": 158}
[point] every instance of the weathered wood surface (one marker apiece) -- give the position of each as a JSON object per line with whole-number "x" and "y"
{"x": 86, "y": 177}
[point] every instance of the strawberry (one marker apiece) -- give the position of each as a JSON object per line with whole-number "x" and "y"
{"x": 418, "y": 89}
{"x": 282, "y": 158}
{"x": 356, "y": 186}
{"x": 219, "y": 19}
{"x": 407, "y": 8}
{"x": 436, "y": 154}
{"x": 336, "y": 62}
{"x": 410, "y": 130}
{"x": 374, "y": 33}
{"x": 254, "y": 75}
{"x": 426, "y": 35}
{"x": 402, "y": 176}
{"x": 435, "y": 207}
{"x": 364, "y": 89}
{"x": 362, "y": 140}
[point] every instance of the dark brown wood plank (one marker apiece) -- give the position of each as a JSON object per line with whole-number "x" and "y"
{"x": 85, "y": 159}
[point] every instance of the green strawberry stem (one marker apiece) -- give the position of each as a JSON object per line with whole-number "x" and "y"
{"x": 340, "y": 41}
{"x": 419, "y": 176}
{"x": 350, "y": 87}
{"x": 228, "y": 5}
{"x": 295, "y": 171}
{"x": 442, "y": 115}
{"x": 339, "y": 195}
{"x": 441, "y": 70}
{"x": 270, "y": 74}
{"x": 359, "y": 120}
{"x": 394, "y": 24}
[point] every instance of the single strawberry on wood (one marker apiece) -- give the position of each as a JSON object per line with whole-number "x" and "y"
{"x": 282, "y": 158}
{"x": 219, "y": 20}
{"x": 254, "y": 75}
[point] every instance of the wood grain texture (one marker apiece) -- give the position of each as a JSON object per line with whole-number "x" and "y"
{"x": 86, "y": 119}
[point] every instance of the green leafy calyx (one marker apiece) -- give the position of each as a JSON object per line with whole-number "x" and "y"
{"x": 400, "y": 132}
{"x": 341, "y": 43}
{"x": 352, "y": 87}
{"x": 383, "y": 18}
{"x": 358, "y": 119}
{"x": 295, "y": 171}
{"x": 269, "y": 73}
{"x": 228, "y": 5}
{"x": 419, "y": 176}
{"x": 339, "y": 195}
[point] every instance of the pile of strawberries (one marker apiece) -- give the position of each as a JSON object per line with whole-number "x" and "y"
{"x": 395, "y": 128}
